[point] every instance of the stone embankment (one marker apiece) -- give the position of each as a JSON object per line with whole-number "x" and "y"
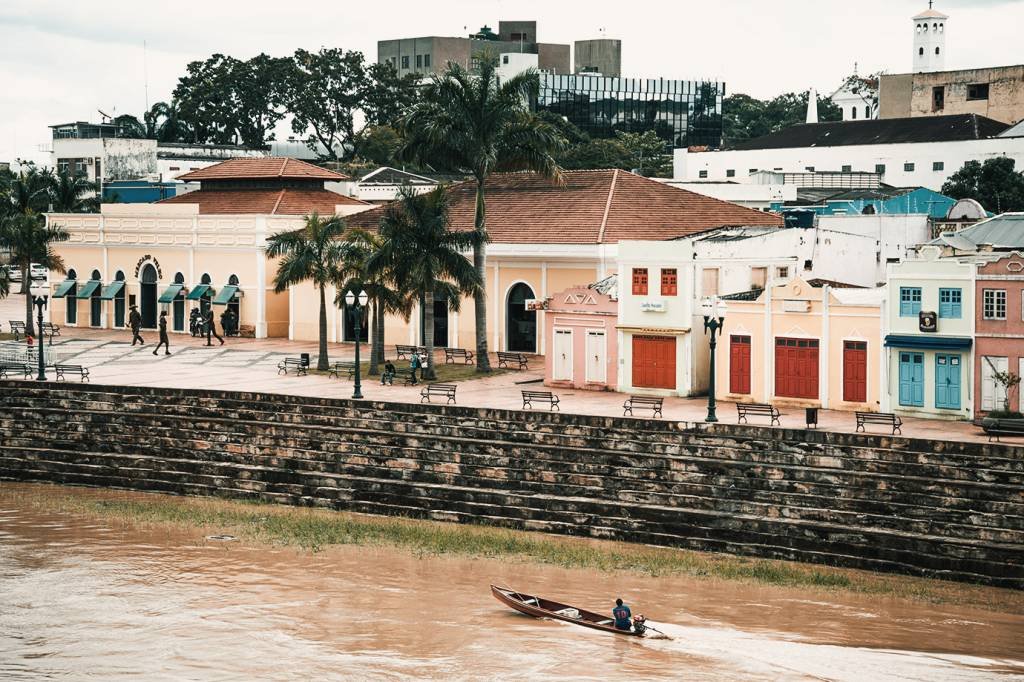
{"x": 944, "y": 509}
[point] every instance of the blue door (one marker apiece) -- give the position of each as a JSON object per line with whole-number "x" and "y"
{"x": 947, "y": 381}
{"x": 912, "y": 379}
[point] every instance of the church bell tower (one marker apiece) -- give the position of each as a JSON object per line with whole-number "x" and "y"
{"x": 930, "y": 41}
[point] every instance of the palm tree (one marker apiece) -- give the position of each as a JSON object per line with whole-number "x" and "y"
{"x": 379, "y": 286}
{"x": 29, "y": 240}
{"x": 70, "y": 194}
{"x": 478, "y": 124}
{"x": 424, "y": 256}
{"x": 313, "y": 253}
{"x": 27, "y": 192}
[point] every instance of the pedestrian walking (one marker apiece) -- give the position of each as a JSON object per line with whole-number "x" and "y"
{"x": 135, "y": 323}
{"x": 414, "y": 364}
{"x": 164, "y": 341}
{"x": 211, "y": 329}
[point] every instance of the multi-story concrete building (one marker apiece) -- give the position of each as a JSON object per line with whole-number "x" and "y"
{"x": 600, "y": 55}
{"x": 999, "y": 331}
{"x": 431, "y": 54}
{"x": 997, "y": 93}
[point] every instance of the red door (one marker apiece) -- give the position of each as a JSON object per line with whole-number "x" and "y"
{"x": 654, "y": 362}
{"x": 855, "y": 371}
{"x": 796, "y": 368}
{"x": 739, "y": 364}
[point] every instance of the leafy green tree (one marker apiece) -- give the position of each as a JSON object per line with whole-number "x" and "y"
{"x": 378, "y": 144}
{"x": 599, "y": 153}
{"x": 71, "y": 193}
{"x": 647, "y": 153}
{"x": 26, "y": 192}
{"x": 423, "y": 255}
{"x": 996, "y": 184}
{"x": 746, "y": 118}
{"x": 475, "y": 124}
{"x": 29, "y": 240}
{"x": 311, "y": 254}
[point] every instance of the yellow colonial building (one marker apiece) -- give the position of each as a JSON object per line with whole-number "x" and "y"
{"x": 201, "y": 248}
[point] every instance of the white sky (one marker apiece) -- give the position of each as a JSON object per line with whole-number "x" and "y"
{"x": 61, "y": 60}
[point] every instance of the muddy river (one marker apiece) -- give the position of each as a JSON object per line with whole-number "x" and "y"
{"x": 81, "y": 599}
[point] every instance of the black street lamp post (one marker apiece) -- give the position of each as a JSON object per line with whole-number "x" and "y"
{"x": 40, "y": 301}
{"x": 356, "y": 303}
{"x": 714, "y": 320}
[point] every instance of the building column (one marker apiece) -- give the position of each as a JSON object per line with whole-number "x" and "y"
{"x": 541, "y": 315}
{"x": 291, "y": 315}
{"x": 261, "y": 295}
{"x": 498, "y": 305}
{"x": 768, "y": 362}
{"x": 106, "y": 277}
{"x": 823, "y": 364}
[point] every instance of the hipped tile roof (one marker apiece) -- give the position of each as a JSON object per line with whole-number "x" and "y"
{"x": 263, "y": 167}
{"x": 287, "y": 201}
{"x": 591, "y": 207}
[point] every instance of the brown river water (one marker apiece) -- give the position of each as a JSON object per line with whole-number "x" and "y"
{"x": 86, "y": 600}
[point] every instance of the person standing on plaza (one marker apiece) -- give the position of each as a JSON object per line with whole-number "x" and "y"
{"x": 135, "y": 323}
{"x": 211, "y": 330}
{"x": 164, "y": 341}
{"x": 414, "y": 364}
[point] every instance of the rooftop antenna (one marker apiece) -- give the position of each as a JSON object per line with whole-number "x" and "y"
{"x": 145, "y": 75}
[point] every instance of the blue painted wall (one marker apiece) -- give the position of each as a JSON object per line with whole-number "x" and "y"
{"x": 139, "y": 191}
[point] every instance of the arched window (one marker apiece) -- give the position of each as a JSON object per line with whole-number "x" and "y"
{"x": 942, "y": 27}
{"x": 935, "y": 27}
{"x": 867, "y": 111}
{"x": 920, "y": 51}
{"x": 119, "y": 308}
{"x": 936, "y": 50}
{"x": 205, "y": 279}
{"x": 925, "y": 27}
{"x": 71, "y": 300}
{"x": 119, "y": 277}
{"x": 521, "y": 324}
{"x": 72, "y": 274}
{"x": 148, "y": 296}
{"x": 179, "y": 278}
{"x": 919, "y": 28}
{"x": 233, "y": 280}
{"x": 853, "y": 112}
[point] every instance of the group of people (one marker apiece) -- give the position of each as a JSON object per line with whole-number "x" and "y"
{"x": 199, "y": 321}
{"x": 417, "y": 362}
{"x": 207, "y": 327}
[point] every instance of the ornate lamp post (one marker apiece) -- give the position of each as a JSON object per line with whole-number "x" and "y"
{"x": 714, "y": 320}
{"x": 40, "y": 295}
{"x": 356, "y": 303}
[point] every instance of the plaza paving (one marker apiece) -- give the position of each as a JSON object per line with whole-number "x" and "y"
{"x": 251, "y": 365}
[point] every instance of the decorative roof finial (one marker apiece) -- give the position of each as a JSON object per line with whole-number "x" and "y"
{"x": 930, "y": 3}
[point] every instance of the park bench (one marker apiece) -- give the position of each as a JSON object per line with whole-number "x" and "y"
{"x": 346, "y": 366}
{"x": 886, "y": 418}
{"x": 759, "y": 410}
{"x": 453, "y": 354}
{"x": 642, "y": 403}
{"x": 9, "y": 368}
{"x": 445, "y": 390}
{"x": 519, "y": 359}
{"x": 62, "y": 370}
{"x": 996, "y": 427}
{"x": 51, "y": 330}
{"x": 18, "y": 329}
{"x": 530, "y": 397}
{"x": 404, "y": 374}
{"x": 299, "y": 365}
{"x": 403, "y": 352}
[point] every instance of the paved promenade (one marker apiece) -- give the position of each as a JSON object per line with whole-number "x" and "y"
{"x": 251, "y": 365}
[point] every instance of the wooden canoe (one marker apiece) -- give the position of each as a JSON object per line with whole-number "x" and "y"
{"x": 540, "y": 607}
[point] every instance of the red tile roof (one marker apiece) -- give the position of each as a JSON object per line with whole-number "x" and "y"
{"x": 264, "y": 201}
{"x": 591, "y": 207}
{"x": 262, "y": 167}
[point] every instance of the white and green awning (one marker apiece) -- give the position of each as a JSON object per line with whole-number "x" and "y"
{"x": 227, "y": 293}
{"x": 64, "y": 287}
{"x": 111, "y": 291}
{"x": 171, "y": 293}
{"x": 198, "y": 291}
{"x": 89, "y": 288}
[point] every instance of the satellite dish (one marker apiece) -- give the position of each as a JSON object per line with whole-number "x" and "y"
{"x": 966, "y": 209}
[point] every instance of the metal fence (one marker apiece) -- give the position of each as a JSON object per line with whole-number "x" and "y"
{"x": 19, "y": 353}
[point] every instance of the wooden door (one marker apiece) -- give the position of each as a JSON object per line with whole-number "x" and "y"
{"x": 796, "y": 368}
{"x": 654, "y": 362}
{"x": 739, "y": 364}
{"x": 597, "y": 358}
{"x": 855, "y": 371}
{"x": 562, "y": 361}
{"x": 912, "y": 379}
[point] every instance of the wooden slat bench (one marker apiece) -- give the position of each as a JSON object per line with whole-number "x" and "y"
{"x": 886, "y": 418}
{"x": 51, "y": 330}
{"x": 63, "y": 370}
{"x": 995, "y": 427}
{"x": 7, "y": 369}
{"x": 348, "y": 367}
{"x": 403, "y": 374}
{"x": 18, "y": 329}
{"x": 518, "y": 359}
{"x": 403, "y": 352}
{"x": 530, "y": 397}
{"x": 638, "y": 402}
{"x": 453, "y": 354}
{"x": 444, "y": 390}
{"x": 300, "y": 367}
{"x": 757, "y": 410}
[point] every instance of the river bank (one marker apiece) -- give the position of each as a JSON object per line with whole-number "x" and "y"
{"x": 316, "y": 530}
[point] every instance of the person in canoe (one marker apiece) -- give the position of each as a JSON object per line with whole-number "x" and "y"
{"x": 623, "y": 616}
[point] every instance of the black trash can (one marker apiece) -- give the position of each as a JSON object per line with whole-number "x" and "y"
{"x": 812, "y": 417}
{"x": 305, "y": 359}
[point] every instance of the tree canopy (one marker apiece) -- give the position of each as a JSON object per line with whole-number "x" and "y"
{"x": 746, "y": 118}
{"x": 996, "y": 184}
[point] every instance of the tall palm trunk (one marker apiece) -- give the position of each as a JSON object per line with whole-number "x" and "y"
{"x": 321, "y": 362}
{"x": 427, "y": 305}
{"x": 26, "y": 288}
{"x": 483, "y": 362}
{"x": 379, "y": 331}
{"x": 377, "y": 343}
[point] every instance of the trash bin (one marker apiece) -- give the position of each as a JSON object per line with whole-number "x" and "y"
{"x": 305, "y": 359}
{"x": 812, "y": 417}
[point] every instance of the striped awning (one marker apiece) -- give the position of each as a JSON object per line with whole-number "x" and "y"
{"x": 64, "y": 287}
{"x": 171, "y": 293}
{"x": 226, "y": 295}
{"x": 89, "y": 288}
{"x": 112, "y": 290}
{"x": 198, "y": 291}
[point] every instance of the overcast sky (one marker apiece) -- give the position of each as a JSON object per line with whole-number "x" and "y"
{"x": 61, "y": 60}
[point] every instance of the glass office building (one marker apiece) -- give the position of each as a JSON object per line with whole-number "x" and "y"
{"x": 683, "y": 113}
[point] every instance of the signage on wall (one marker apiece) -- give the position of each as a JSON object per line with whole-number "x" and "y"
{"x": 928, "y": 321}
{"x": 795, "y": 306}
{"x": 149, "y": 259}
{"x": 536, "y": 304}
{"x": 653, "y": 307}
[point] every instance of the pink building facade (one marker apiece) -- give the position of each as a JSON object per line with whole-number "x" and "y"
{"x": 581, "y": 337}
{"x": 999, "y": 331}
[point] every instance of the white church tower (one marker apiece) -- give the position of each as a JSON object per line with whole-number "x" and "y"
{"x": 930, "y": 40}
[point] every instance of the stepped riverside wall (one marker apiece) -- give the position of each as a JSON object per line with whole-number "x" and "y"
{"x": 943, "y": 509}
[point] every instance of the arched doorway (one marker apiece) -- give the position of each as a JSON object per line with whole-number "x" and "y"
{"x": 521, "y": 324}
{"x": 95, "y": 302}
{"x": 178, "y": 306}
{"x": 71, "y": 300}
{"x": 119, "y": 307}
{"x": 147, "y": 299}
{"x": 234, "y": 306}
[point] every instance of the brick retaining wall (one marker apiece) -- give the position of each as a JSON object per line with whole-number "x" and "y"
{"x": 936, "y": 508}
